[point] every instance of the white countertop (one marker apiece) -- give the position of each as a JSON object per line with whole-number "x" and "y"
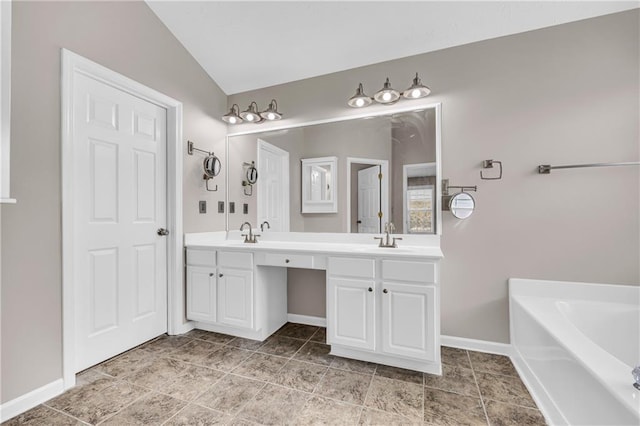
{"x": 314, "y": 244}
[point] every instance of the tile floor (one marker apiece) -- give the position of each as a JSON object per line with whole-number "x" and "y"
{"x": 205, "y": 378}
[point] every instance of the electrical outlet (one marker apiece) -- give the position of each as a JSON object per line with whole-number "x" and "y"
{"x": 232, "y": 207}
{"x": 202, "y": 206}
{"x": 245, "y": 208}
{"x": 220, "y": 206}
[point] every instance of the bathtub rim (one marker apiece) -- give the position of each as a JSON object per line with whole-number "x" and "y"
{"x": 551, "y": 292}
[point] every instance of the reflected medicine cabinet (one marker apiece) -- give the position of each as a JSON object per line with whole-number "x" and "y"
{"x": 319, "y": 182}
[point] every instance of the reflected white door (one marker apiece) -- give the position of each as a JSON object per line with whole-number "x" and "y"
{"x": 369, "y": 200}
{"x": 273, "y": 186}
{"x": 120, "y": 261}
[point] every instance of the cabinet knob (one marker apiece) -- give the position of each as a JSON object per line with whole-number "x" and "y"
{"x": 385, "y": 291}
{"x": 211, "y": 274}
{"x": 287, "y": 261}
{"x": 221, "y": 275}
{"x": 370, "y": 289}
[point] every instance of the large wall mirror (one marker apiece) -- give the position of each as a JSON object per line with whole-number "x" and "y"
{"x": 383, "y": 168}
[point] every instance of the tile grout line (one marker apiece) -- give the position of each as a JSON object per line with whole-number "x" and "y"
{"x": 66, "y": 414}
{"x": 475, "y": 379}
{"x": 366, "y": 395}
{"x": 125, "y": 406}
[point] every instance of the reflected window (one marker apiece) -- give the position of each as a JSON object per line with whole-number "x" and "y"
{"x": 419, "y": 209}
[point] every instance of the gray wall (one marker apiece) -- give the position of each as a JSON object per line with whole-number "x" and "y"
{"x": 561, "y": 95}
{"x": 128, "y": 38}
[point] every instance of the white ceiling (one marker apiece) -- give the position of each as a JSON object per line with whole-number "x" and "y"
{"x": 249, "y": 45}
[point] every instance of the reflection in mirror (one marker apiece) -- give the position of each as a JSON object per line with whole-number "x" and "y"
{"x": 418, "y": 183}
{"x": 319, "y": 184}
{"x": 386, "y": 171}
{"x": 462, "y": 205}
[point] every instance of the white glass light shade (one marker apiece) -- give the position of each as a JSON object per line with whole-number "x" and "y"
{"x": 417, "y": 90}
{"x": 386, "y": 95}
{"x": 359, "y": 100}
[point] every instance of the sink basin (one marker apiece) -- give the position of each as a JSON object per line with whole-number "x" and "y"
{"x": 387, "y": 250}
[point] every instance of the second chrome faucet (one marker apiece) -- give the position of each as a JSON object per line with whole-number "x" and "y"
{"x": 250, "y": 237}
{"x": 386, "y": 240}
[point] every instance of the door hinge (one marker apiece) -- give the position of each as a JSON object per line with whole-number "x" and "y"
{"x": 379, "y": 215}
{"x": 379, "y": 176}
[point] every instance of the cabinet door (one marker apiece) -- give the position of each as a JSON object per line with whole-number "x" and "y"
{"x": 408, "y": 320}
{"x": 201, "y": 293}
{"x": 350, "y": 312}
{"x": 235, "y": 297}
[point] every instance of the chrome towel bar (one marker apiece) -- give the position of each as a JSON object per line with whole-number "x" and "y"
{"x": 545, "y": 169}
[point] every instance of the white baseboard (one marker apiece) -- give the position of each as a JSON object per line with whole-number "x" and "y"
{"x": 476, "y": 345}
{"x": 30, "y": 400}
{"x": 307, "y": 320}
{"x": 184, "y": 328}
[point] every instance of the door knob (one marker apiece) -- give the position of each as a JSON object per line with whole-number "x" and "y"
{"x": 211, "y": 274}
{"x": 385, "y": 291}
{"x": 162, "y": 232}
{"x": 370, "y": 289}
{"x": 221, "y": 275}
{"x": 287, "y": 261}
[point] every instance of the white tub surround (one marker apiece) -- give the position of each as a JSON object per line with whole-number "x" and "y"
{"x": 383, "y": 304}
{"x": 575, "y": 345}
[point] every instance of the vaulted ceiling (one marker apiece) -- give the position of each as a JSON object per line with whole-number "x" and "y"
{"x": 249, "y": 45}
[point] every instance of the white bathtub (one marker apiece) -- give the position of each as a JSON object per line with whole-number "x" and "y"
{"x": 575, "y": 345}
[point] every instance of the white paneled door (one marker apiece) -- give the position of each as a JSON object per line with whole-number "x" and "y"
{"x": 273, "y": 186}
{"x": 369, "y": 200}
{"x": 120, "y": 260}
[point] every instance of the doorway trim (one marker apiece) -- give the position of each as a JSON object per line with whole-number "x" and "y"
{"x": 384, "y": 186}
{"x": 72, "y": 65}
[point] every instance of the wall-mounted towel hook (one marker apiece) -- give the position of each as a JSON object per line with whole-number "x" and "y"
{"x": 488, "y": 164}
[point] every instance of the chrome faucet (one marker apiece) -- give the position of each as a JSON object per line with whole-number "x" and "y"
{"x": 263, "y": 224}
{"x": 386, "y": 240}
{"x": 250, "y": 237}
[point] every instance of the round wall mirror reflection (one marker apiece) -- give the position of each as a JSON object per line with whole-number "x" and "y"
{"x": 462, "y": 205}
{"x": 211, "y": 166}
{"x": 252, "y": 175}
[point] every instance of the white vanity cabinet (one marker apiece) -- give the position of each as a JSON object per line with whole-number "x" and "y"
{"x": 235, "y": 289}
{"x": 384, "y": 311}
{"x": 226, "y": 293}
{"x": 351, "y": 302}
{"x": 201, "y": 285}
{"x": 409, "y": 308}
{"x": 382, "y": 305}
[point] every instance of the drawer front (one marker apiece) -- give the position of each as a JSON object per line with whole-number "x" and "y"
{"x": 418, "y": 272}
{"x": 231, "y": 259}
{"x": 352, "y": 267}
{"x": 201, "y": 257}
{"x": 289, "y": 260}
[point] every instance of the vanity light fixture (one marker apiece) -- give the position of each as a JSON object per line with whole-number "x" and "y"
{"x": 252, "y": 115}
{"x": 233, "y": 116}
{"x": 359, "y": 100}
{"x": 271, "y": 113}
{"x": 417, "y": 90}
{"x": 386, "y": 95}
